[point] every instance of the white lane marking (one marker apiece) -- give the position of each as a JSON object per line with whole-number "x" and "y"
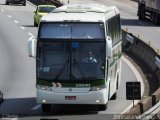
{"x": 16, "y": 21}
{"x": 30, "y": 34}
{"x": 141, "y": 23}
{"x": 2, "y": 10}
{"x": 9, "y": 16}
{"x": 139, "y": 78}
{"x": 36, "y": 107}
{"x": 23, "y": 28}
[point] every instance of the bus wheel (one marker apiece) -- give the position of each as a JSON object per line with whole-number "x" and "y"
{"x": 102, "y": 107}
{"x": 46, "y": 107}
{"x": 114, "y": 96}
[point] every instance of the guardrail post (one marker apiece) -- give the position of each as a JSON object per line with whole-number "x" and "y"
{"x": 149, "y": 43}
{"x": 158, "y": 51}
{"x": 126, "y": 29}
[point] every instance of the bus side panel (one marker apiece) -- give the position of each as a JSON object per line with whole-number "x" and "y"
{"x": 115, "y": 69}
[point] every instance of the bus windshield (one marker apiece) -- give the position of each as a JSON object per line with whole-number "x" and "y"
{"x": 71, "y": 61}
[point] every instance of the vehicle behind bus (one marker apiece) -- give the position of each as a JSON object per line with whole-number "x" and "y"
{"x": 23, "y": 2}
{"x": 149, "y": 10}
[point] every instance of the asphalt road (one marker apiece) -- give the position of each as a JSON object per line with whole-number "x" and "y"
{"x": 17, "y": 76}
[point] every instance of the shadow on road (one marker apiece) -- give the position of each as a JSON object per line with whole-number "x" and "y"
{"x": 23, "y": 107}
{"x": 31, "y": 26}
{"x": 136, "y": 22}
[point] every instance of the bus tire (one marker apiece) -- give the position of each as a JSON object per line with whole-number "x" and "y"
{"x": 114, "y": 96}
{"x": 102, "y": 107}
{"x": 46, "y": 108}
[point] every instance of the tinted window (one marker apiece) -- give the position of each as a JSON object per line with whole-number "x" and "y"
{"x": 71, "y": 31}
{"x": 114, "y": 29}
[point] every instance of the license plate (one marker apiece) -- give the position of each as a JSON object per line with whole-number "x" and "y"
{"x": 70, "y": 97}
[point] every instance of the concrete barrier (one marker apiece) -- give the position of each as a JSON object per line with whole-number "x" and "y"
{"x": 134, "y": 111}
{"x": 151, "y": 58}
{"x": 145, "y": 104}
{"x": 156, "y": 97}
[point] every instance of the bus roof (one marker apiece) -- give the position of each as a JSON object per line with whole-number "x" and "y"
{"x": 81, "y": 13}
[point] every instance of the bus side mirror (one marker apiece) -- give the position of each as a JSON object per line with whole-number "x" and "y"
{"x": 109, "y": 47}
{"x": 32, "y": 47}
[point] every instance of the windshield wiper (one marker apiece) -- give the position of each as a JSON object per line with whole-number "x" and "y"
{"x": 81, "y": 72}
{"x": 62, "y": 70}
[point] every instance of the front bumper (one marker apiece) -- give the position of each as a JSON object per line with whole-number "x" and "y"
{"x": 89, "y": 98}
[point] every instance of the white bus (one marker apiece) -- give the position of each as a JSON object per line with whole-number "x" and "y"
{"x": 78, "y": 56}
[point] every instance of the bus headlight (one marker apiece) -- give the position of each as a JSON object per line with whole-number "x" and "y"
{"x": 42, "y": 87}
{"x": 96, "y": 88}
